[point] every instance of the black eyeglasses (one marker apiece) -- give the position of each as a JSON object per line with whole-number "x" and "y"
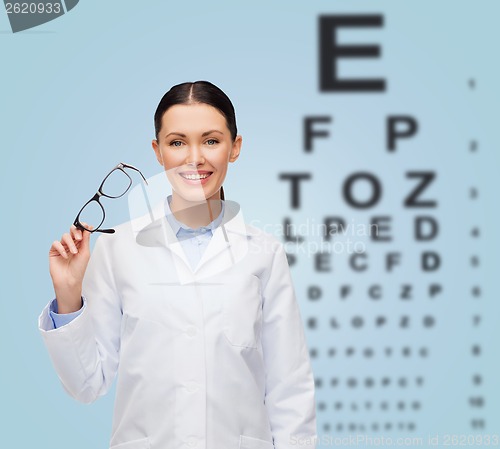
{"x": 115, "y": 184}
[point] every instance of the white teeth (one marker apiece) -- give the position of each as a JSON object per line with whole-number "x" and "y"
{"x": 196, "y": 176}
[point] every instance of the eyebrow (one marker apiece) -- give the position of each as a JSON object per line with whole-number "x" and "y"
{"x": 203, "y": 135}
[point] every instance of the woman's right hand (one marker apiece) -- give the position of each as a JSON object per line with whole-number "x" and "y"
{"x": 68, "y": 260}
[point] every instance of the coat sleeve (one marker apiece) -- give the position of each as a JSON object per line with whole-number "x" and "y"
{"x": 290, "y": 393}
{"x": 60, "y": 319}
{"x": 85, "y": 351}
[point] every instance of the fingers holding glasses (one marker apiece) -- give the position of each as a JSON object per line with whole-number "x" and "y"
{"x": 70, "y": 242}
{"x": 57, "y": 249}
{"x": 76, "y": 233}
{"x": 84, "y": 238}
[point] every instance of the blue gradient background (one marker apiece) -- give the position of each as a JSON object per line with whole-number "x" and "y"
{"x": 79, "y": 93}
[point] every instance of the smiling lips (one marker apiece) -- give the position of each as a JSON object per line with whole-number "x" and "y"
{"x": 196, "y": 175}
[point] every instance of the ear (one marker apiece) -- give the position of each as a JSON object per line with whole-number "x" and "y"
{"x": 156, "y": 147}
{"x": 235, "y": 151}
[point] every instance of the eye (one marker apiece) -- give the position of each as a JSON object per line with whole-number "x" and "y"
{"x": 212, "y": 140}
{"x": 174, "y": 142}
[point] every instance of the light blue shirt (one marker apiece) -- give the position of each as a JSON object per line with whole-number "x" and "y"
{"x": 193, "y": 241}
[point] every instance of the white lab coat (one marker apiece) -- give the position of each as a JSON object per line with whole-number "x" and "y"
{"x": 211, "y": 358}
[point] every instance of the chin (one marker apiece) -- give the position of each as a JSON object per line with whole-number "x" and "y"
{"x": 194, "y": 195}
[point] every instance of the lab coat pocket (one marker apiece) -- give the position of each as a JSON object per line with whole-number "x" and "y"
{"x": 242, "y": 311}
{"x": 142, "y": 443}
{"x": 247, "y": 442}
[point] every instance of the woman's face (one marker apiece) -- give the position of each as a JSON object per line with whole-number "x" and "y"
{"x": 194, "y": 146}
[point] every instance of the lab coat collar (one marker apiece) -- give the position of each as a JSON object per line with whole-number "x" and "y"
{"x": 228, "y": 245}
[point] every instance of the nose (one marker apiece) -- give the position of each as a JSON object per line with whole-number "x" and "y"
{"x": 195, "y": 156}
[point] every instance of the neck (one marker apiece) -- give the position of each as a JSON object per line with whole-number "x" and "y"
{"x": 195, "y": 213}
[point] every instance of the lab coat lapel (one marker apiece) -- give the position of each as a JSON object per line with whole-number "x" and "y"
{"x": 224, "y": 237}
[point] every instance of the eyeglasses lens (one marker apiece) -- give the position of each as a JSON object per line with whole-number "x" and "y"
{"x": 116, "y": 184}
{"x": 92, "y": 214}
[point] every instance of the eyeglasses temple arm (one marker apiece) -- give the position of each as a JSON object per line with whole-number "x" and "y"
{"x": 106, "y": 231}
{"x": 136, "y": 169}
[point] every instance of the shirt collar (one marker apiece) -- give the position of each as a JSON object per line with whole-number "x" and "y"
{"x": 181, "y": 228}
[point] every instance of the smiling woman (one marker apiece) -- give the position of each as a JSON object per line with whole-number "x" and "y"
{"x": 203, "y": 334}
